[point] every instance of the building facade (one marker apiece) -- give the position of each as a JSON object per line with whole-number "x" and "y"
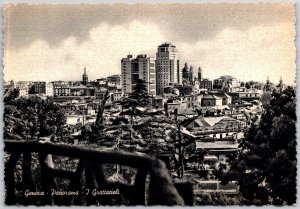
{"x": 226, "y": 83}
{"x": 142, "y": 67}
{"x": 49, "y": 89}
{"x": 206, "y": 84}
{"x": 168, "y": 67}
{"x": 39, "y": 87}
{"x": 211, "y": 100}
{"x": 61, "y": 88}
{"x": 113, "y": 81}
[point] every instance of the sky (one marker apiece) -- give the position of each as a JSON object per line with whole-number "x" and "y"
{"x": 55, "y": 42}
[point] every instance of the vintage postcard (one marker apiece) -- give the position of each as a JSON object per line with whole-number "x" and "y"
{"x": 149, "y": 104}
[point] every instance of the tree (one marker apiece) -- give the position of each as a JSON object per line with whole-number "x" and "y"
{"x": 265, "y": 98}
{"x": 248, "y": 85}
{"x": 168, "y": 130}
{"x": 138, "y": 98}
{"x": 29, "y": 119}
{"x": 265, "y": 166}
{"x": 98, "y": 127}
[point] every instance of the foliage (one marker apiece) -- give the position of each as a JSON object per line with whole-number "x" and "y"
{"x": 266, "y": 164}
{"x": 163, "y": 136}
{"x": 265, "y": 98}
{"x": 29, "y": 119}
{"x": 138, "y": 98}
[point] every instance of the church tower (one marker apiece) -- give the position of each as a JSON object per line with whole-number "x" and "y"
{"x": 280, "y": 87}
{"x": 191, "y": 76}
{"x": 85, "y": 77}
{"x": 199, "y": 74}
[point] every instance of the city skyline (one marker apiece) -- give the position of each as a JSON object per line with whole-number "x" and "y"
{"x": 220, "y": 38}
{"x": 149, "y": 104}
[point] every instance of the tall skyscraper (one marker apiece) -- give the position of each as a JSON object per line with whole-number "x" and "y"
{"x": 168, "y": 67}
{"x": 142, "y": 67}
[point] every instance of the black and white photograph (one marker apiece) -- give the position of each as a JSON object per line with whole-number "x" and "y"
{"x": 152, "y": 104}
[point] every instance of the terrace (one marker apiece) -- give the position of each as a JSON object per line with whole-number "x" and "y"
{"x": 152, "y": 184}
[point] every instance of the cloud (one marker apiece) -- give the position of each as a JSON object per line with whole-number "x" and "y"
{"x": 101, "y": 54}
{"x": 52, "y": 42}
{"x": 187, "y": 23}
{"x": 252, "y": 54}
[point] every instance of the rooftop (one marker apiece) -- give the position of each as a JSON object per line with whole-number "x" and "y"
{"x": 216, "y": 145}
{"x": 167, "y": 44}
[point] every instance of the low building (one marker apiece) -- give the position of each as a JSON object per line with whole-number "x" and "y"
{"x": 38, "y": 87}
{"x": 157, "y": 102}
{"x": 61, "y": 88}
{"x": 211, "y": 100}
{"x": 249, "y": 96}
{"x": 23, "y": 87}
{"x": 218, "y": 136}
{"x": 206, "y": 84}
{"x": 114, "y": 81}
{"x": 78, "y": 90}
{"x": 226, "y": 83}
{"x": 8, "y": 85}
{"x": 116, "y": 96}
{"x": 49, "y": 89}
{"x": 23, "y": 92}
{"x": 100, "y": 93}
{"x": 173, "y": 104}
{"x": 226, "y": 99}
{"x": 193, "y": 100}
{"x": 187, "y": 112}
{"x": 179, "y": 90}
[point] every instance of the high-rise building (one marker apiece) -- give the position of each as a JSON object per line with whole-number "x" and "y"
{"x": 179, "y": 71}
{"x": 142, "y": 67}
{"x": 168, "y": 67}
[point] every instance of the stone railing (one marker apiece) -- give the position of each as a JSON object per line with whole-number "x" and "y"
{"x": 152, "y": 184}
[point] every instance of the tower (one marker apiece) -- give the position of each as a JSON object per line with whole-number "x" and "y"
{"x": 85, "y": 77}
{"x": 280, "y": 87}
{"x": 185, "y": 72}
{"x": 191, "y": 76}
{"x": 166, "y": 66}
{"x": 199, "y": 74}
{"x": 268, "y": 87}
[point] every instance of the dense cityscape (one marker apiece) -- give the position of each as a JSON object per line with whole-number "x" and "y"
{"x": 161, "y": 107}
